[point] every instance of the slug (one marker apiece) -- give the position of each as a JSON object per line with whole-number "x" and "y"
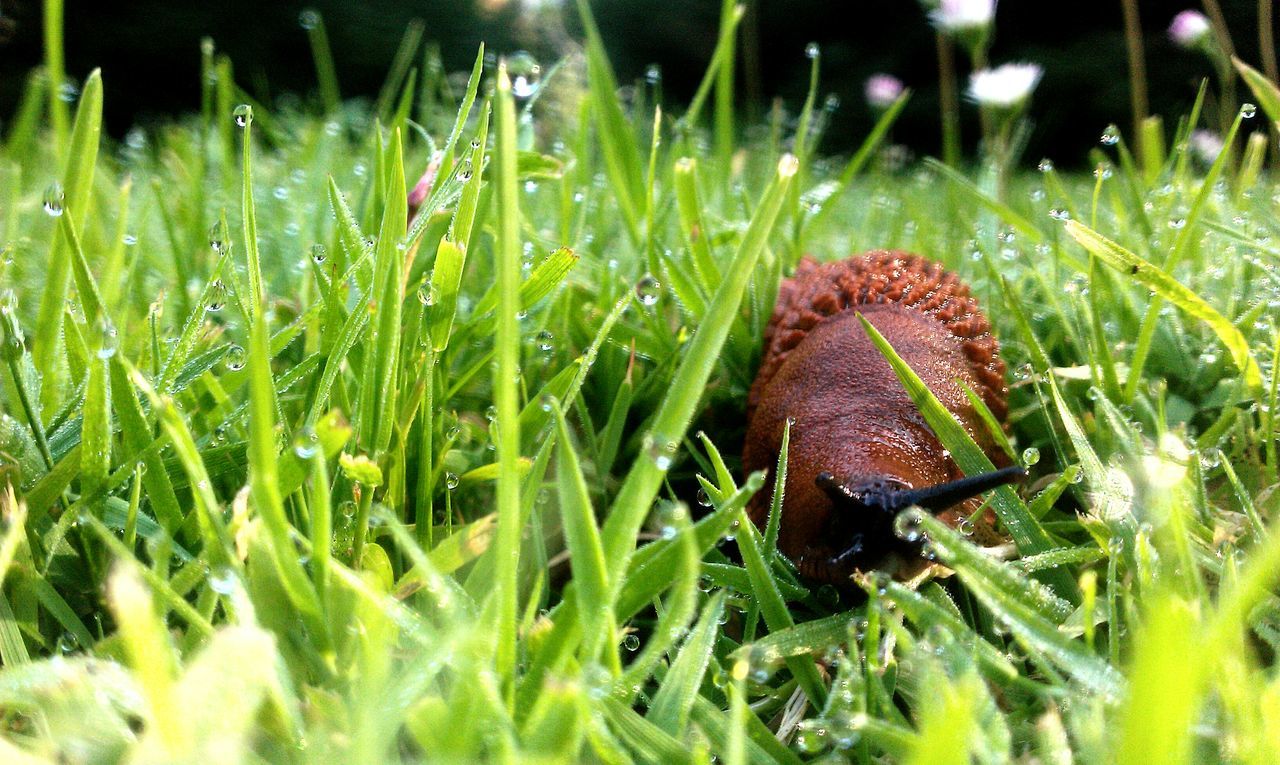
{"x": 859, "y": 449}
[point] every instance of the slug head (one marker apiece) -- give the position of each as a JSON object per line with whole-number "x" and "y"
{"x": 861, "y": 524}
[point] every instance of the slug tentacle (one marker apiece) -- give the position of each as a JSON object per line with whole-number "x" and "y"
{"x": 860, "y": 451}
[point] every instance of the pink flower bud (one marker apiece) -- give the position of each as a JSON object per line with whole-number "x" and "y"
{"x": 422, "y": 189}
{"x": 1189, "y": 28}
{"x": 882, "y": 90}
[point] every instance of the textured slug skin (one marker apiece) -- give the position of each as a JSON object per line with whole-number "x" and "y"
{"x": 850, "y": 414}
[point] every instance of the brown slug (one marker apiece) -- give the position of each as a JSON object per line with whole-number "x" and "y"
{"x": 859, "y": 450}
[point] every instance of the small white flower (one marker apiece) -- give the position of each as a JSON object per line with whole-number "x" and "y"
{"x": 1189, "y": 28}
{"x": 964, "y": 15}
{"x": 1006, "y": 86}
{"x": 882, "y": 90}
{"x": 1206, "y": 145}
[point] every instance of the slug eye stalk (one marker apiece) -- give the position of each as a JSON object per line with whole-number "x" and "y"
{"x": 888, "y": 498}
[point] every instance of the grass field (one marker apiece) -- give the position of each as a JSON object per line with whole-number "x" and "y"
{"x": 294, "y": 479}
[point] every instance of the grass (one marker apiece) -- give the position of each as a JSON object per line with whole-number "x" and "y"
{"x": 295, "y": 477}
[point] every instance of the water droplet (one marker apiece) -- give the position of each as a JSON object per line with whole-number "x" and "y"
{"x": 217, "y": 296}
{"x": 68, "y": 642}
{"x": 661, "y": 450}
{"x": 218, "y": 237}
{"x": 648, "y": 289}
{"x": 545, "y": 341}
{"x": 243, "y": 115}
{"x": 222, "y": 580}
{"x": 451, "y": 481}
{"x": 812, "y": 51}
{"x": 1059, "y": 213}
{"x": 54, "y": 199}
{"x": 129, "y": 240}
{"x": 703, "y": 499}
{"x": 1030, "y": 456}
{"x": 631, "y": 642}
{"x": 309, "y": 18}
{"x": 908, "y": 525}
{"x": 1248, "y": 110}
{"x": 109, "y": 339}
{"x": 525, "y": 73}
{"x": 1045, "y": 166}
{"x": 653, "y": 74}
{"x": 306, "y": 444}
{"x": 426, "y": 294}
{"x": 236, "y": 358}
{"x": 1110, "y": 136}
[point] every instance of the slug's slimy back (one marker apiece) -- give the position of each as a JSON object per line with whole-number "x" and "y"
{"x": 859, "y": 447}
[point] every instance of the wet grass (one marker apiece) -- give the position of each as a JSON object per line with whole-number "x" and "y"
{"x": 298, "y": 477}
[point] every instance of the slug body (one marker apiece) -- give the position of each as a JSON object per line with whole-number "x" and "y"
{"x": 859, "y": 449}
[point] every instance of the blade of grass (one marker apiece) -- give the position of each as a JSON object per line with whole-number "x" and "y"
{"x": 672, "y": 420}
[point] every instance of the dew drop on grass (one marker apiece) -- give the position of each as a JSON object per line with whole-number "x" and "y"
{"x": 242, "y": 115}
{"x": 1248, "y": 110}
{"x": 907, "y": 526}
{"x": 1045, "y": 166}
{"x": 222, "y": 580}
{"x": 68, "y": 642}
{"x": 648, "y": 289}
{"x": 631, "y": 642}
{"x": 306, "y": 444}
{"x": 451, "y": 481}
{"x": 217, "y": 297}
{"x": 236, "y": 358}
{"x": 1059, "y": 213}
{"x": 309, "y": 18}
{"x": 110, "y": 338}
{"x": 54, "y": 199}
{"x": 128, "y": 240}
{"x": 661, "y": 450}
{"x": 812, "y": 51}
{"x": 653, "y": 74}
{"x": 218, "y": 237}
{"x": 426, "y": 294}
{"x": 1030, "y": 456}
{"x": 525, "y": 73}
{"x": 1110, "y": 136}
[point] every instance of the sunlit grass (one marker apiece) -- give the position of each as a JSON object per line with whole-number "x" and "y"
{"x": 296, "y": 477}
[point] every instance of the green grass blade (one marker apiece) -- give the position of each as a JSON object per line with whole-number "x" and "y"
{"x": 1159, "y": 281}
{"x": 672, "y": 419}
{"x": 582, "y": 539}
{"x": 77, "y": 181}
{"x": 1026, "y": 531}
{"x": 507, "y": 341}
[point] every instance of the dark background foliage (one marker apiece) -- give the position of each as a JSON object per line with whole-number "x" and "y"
{"x": 149, "y": 52}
